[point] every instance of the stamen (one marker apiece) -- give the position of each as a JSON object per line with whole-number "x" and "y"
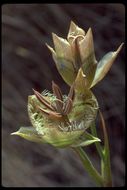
{"x": 43, "y": 100}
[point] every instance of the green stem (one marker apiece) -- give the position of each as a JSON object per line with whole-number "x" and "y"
{"x": 97, "y": 144}
{"x": 106, "y": 165}
{"x": 88, "y": 166}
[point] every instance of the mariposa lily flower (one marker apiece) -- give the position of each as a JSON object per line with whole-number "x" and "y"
{"x": 60, "y": 120}
{"x": 77, "y": 51}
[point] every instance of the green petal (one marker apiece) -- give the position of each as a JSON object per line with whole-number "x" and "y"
{"x": 81, "y": 82}
{"x": 65, "y": 69}
{"x": 74, "y": 30}
{"x": 51, "y": 49}
{"x": 62, "y": 48}
{"x": 104, "y": 65}
{"x": 63, "y": 60}
{"x": 30, "y": 134}
{"x": 85, "y": 140}
{"x": 86, "y": 47}
{"x": 89, "y": 63}
{"x": 60, "y": 139}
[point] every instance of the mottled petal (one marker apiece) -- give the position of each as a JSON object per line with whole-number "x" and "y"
{"x": 65, "y": 69}
{"x": 63, "y": 58}
{"x": 104, "y": 65}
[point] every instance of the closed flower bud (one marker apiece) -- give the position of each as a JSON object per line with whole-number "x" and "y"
{"x": 77, "y": 51}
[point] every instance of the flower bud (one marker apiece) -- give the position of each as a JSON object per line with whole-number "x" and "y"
{"x": 77, "y": 52}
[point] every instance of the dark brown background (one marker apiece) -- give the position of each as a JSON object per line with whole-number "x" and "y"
{"x": 27, "y": 64}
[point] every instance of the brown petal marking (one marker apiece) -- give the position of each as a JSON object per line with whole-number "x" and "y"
{"x": 57, "y": 92}
{"x": 45, "y": 112}
{"x": 78, "y": 61}
{"x": 51, "y": 114}
{"x": 43, "y": 100}
{"x": 67, "y": 107}
{"x": 59, "y": 105}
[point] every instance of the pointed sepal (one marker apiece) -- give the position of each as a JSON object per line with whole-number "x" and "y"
{"x": 30, "y": 134}
{"x": 104, "y": 65}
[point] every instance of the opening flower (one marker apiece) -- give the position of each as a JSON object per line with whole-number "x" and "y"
{"x": 60, "y": 120}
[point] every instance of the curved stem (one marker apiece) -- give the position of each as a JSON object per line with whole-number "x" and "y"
{"x": 106, "y": 165}
{"x": 89, "y": 167}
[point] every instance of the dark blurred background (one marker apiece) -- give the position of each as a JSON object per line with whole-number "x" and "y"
{"x": 27, "y": 64}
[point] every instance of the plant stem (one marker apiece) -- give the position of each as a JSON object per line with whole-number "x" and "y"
{"x": 106, "y": 165}
{"x": 97, "y": 144}
{"x": 89, "y": 167}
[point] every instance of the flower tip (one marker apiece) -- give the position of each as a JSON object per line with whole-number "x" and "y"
{"x": 58, "y": 40}
{"x": 34, "y": 91}
{"x": 50, "y": 48}
{"x": 90, "y": 29}
{"x": 54, "y": 36}
{"x": 72, "y": 24}
{"x": 89, "y": 32}
{"x": 47, "y": 45}
{"x": 119, "y": 48}
{"x": 14, "y": 133}
{"x": 53, "y": 83}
